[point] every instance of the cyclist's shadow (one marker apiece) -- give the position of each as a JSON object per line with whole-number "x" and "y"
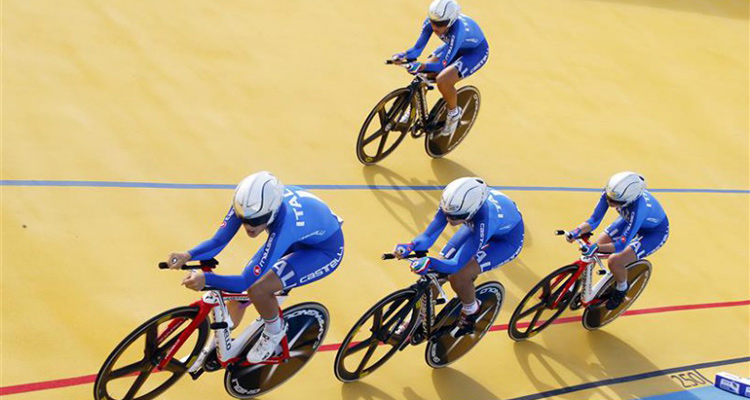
{"x": 411, "y": 202}
{"x": 543, "y": 371}
{"x": 616, "y": 359}
{"x": 363, "y": 391}
{"x": 451, "y": 384}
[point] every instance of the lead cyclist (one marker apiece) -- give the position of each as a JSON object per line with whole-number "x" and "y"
{"x": 641, "y": 229}
{"x": 305, "y": 243}
{"x": 464, "y": 52}
{"x": 491, "y": 235}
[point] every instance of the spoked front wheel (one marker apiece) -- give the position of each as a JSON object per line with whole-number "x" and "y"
{"x": 543, "y": 304}
{"x": 597, "y": 315}
{"x": 443, "y": 348}
{"x": 382, "y": 132}
{"x": 129, "y": 373}
{"x": 307, "y": 325}
{"x": 436, "y": 145}
{"x": 376, "y": 336}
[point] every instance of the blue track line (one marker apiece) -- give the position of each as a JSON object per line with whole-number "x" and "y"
{"x": 156, "y": 185}
{"x": 631, "y": 378}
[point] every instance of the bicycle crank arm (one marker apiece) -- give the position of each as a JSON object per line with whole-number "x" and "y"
{"x": 197, "y": 374}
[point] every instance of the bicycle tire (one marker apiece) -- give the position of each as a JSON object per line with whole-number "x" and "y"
{"x": 105, "y": 375}
{"x": 549, "y": 293}
{"x": 400, "y": 102}
{"x": 307, "y": 326}
{"x": 596, "y": 316}
{"x": 470, "y": 100}
{"x": 492, "y": 295}
{"x": 398, "y": 301}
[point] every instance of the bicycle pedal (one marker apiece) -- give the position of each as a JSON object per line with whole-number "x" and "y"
{"x": 212, "y": 363}
{"x": 197, "y": 374}
{"x": 417, "y": 338}
{"x": 458, "y": 332}
{"x": 219, "y": 325}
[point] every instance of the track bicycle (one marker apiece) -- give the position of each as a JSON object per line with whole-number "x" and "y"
{"x": 175, "y": 342}
{"x": 379, "y": 137}
{"x": 573, "y": 285}
{"x": 408, "y": 316}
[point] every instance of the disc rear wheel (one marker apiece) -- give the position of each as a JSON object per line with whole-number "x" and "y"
{"x": 307, "y": 325}
{"x": 438, "y": 146}
{"x": 597, "y": 315}
{"x": 443, "y": 348}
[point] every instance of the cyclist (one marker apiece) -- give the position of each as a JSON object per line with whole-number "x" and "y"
{"x": 492, "y": 234}
{"x": 640, "y": 230}
{"x": 465, "y": 51}
{"x": 305, "y": 243}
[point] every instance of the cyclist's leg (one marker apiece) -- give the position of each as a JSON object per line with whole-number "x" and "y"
{"x": 300, "y": 267}
{"x": 462, "y": 282}
{"x": 502, "y": 249}
{"x": 617, "y": 261}
{"x": 464, "y": 65}
{"x": 498, "y": 251}
{"x": 648, "y": 242}
{"x": 236, "y": 311}
{"x": 471, "y": 61}
{"x": 310, "y": 264}
{"x": 446, "y": 82}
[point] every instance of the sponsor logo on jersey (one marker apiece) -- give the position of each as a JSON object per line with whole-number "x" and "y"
{"x": 256, "y": 270}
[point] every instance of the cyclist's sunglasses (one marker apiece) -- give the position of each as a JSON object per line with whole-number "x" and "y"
{"x": 440, "y": 24}
{"x": 613, "y": 201}
{"x": 457, "y": 217}
{"x": 257, "y": 221}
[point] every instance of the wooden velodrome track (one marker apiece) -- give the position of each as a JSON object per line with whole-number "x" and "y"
{"x": 126, "y": 124}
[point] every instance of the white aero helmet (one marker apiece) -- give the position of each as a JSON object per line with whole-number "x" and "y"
{"x": 463, "y": 197}
{"x": 258, "y": 198}
{"x": 444, "y": 12}
{"x": 625, "y": 187}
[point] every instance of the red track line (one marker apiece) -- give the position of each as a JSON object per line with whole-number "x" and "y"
{"x": 81, "y": 380}
{"x": 60, "y": 383}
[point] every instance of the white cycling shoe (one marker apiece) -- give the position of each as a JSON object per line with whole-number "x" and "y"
{"x": 405, "y": 116}
{"x": 266, "y": 346}
{"x": 451, "y": 123}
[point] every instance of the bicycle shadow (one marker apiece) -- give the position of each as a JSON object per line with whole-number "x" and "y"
{"x": 452, "y": 384}
{"x": 618, "y": 358}
{"x": 532, "y": 356}
{"x": 364, "y": 391}
{"x": 446, "y": 170}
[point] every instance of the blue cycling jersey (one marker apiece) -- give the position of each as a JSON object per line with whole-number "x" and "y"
{"x": 302, "y": 219}
{"x": 643, "y": 214}
{"x": 497, "y": 217}
{"x": 464, "y": 34}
